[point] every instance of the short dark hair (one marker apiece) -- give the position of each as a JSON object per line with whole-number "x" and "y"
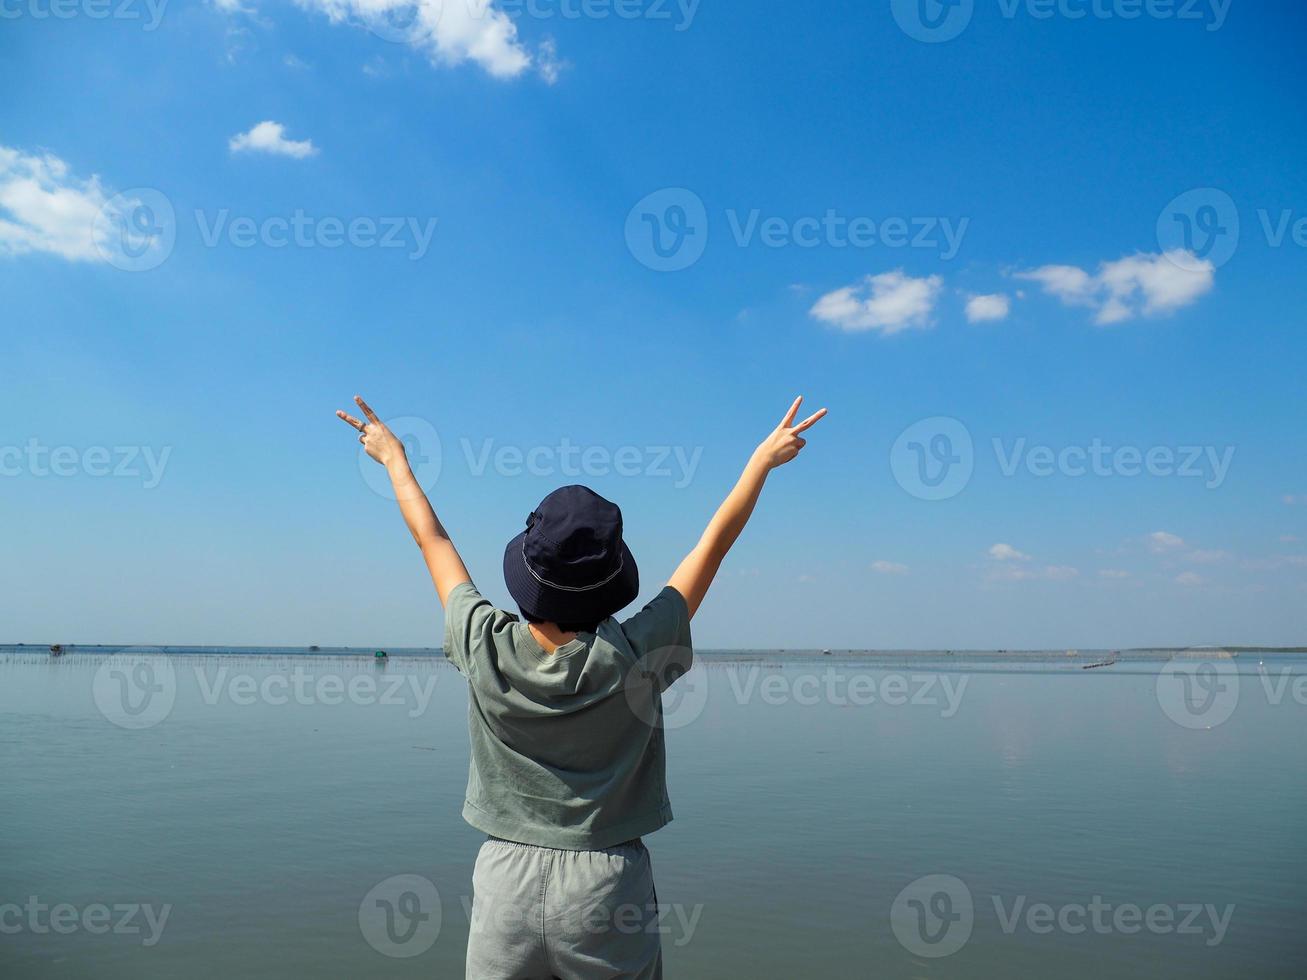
{"x": 565, "y": 627}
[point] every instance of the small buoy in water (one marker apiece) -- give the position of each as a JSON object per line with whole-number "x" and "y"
{"x": 381, "y": 654}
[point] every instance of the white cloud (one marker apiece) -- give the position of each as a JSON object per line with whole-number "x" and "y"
{"x": 1146, "y": 283}
{"x": 1005, "y": 552}
{"x": 1200, "y": 557}
{"x": 1018, "y": 573}
{"x": 270, "y": 137}
{"x": 1189, "y": 579}
{"x": 548, "y": 63}
{"x": 995, "y": 306}
{"x": 890, "y": 302}
{"x": 448, "y": 33}
{"x": 1060, "y": 573}
{"x": 889, "y": 567}
{"x": 44, "y": 208}
{"x": 1160, "y": 541}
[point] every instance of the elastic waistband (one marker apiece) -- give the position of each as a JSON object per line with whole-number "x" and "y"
{"x": 634, "y": 842}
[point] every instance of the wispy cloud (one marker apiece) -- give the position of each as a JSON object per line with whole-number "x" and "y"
{"x": 44, "y": 208}
{"x": 1162, "y": 541}
{"x": 889, "y": 567}
{"x": 1005, "y": 552}
{"x": 447, "y": 33}
{"x": 1146, "y": 284}
{"x": 889, "y": 302}
{"x": 1113, "y": 573}
{"x": 1189, "y": 579}
{"x": 270, "y": 137}
{"x": 994, "y": 306}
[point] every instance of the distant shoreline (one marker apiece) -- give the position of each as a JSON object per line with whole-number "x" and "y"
{"x": 1103, "y": 653}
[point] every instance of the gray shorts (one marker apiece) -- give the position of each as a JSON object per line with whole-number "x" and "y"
{"x": 540, "y": 913}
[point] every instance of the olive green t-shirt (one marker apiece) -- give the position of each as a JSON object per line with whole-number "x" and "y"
{"x": 567, "y": 747}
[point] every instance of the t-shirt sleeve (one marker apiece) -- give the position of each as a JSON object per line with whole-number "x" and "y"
{"x": 660, "y": 635}
{"x": 469, "y": 618}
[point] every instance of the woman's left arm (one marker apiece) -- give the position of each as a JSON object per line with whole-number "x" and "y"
{"x": 442, "y": 558}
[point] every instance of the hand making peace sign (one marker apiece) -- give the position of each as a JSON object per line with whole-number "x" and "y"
{"x": 785, "y": 442}
{"x": 378, "y": 441}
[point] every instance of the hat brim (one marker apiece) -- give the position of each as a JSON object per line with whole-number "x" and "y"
{"x": 553, "y": 605}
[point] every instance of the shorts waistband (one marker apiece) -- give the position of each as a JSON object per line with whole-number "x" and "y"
{"x": 634, "y": 842}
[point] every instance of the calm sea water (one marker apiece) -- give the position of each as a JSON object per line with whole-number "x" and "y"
{"x": 849, "y": 816}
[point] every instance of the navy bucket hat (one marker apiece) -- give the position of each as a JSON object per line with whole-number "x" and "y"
{"x": 570, "y": 565}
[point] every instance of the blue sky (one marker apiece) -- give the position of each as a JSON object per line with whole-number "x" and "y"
{"x": 996, "y": 257}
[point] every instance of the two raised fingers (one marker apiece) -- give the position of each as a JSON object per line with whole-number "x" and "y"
{"x": 358, "y": 423}
{"x": 808, "y": 423}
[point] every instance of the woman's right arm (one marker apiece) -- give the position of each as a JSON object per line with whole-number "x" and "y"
{"x": 697, "y": 571}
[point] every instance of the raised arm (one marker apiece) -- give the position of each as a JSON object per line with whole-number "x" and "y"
{"x": 700, "y": 566}
{"x": 442, "y": 558}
